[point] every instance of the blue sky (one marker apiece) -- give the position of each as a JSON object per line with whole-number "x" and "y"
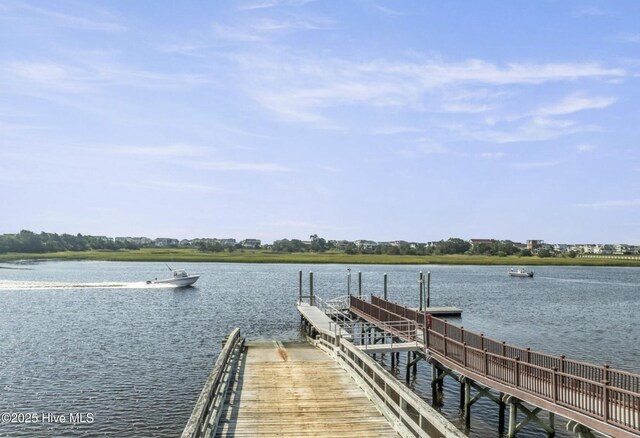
{"x": 381, "y": 120}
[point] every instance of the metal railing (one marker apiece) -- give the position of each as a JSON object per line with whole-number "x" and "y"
{"x": 334, "y": 312}
{"x": 408, "y": 414}
{"x": 608, "y": 395}
{"x": 206, "y": 413}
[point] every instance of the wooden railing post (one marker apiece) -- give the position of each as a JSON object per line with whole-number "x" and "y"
{"x": 481, "y": 341}
{"x": 464, "y": 354}
{"x": 517, "y": 371}
{"x": 385, "y": 286}
{"x": 444, "y": 342}
{"x": 486, "y": 362}
{"x": 605, "y": 394}
{"x": 421, "y": 285}
{"x": 462, "y": 334}
{"x": 554, "y": 385}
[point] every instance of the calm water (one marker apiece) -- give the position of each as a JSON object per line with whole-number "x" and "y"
{"x": 92, "y": 337}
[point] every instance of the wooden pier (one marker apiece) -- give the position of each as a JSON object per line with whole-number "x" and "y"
{"x": 296, "y": 390}
{"x": 591, "y": 397}
{"x": 333, "y": 386}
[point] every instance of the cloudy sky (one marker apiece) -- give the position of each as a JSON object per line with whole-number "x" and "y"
{"x": 383, "y": 120}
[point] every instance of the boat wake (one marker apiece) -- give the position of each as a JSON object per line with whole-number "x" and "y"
{"x": 42, "y": 285}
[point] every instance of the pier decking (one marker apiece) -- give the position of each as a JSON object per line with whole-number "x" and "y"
{"x": 294, "y": 389}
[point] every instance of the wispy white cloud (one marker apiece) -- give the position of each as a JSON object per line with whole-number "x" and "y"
{"x": 422, "y": 146}
{"x": 585, "y": 148}
{"x": 576, "y": 102}
{"x": 271, "y": 25}
{"x": 83, "y": 78}
{"x": 174, "y": 186}
{"x": 299, "y": 88}
{"x": 529, "y": 130}
{"x": 396, "y": 130}
{"x": 267, "y": 4}
{"x": 105, "y": 24}
{"x": 236, "y": 34}
{"x": 612, "y": 203}
{"x": 387, "y": 11}
{"x": 240, "y": 166}
{"x": 173, "y": 150}
{"x": 466, "y": 107}
{"x": 55, "y": 76}
{"x": 535, "y": 164}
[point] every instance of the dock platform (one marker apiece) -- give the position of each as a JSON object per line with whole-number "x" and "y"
{"x": 444, "y": 311}
{"x": 319, "y": 319}
{"x": 295, "y": 389}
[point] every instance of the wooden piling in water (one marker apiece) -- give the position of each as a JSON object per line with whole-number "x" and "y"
{"x": 385, "y": 286}
{"x": 428, "y": 289}
{"x": 421, "y": 283}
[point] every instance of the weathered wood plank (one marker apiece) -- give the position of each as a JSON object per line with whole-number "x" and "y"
{"x": 301, "y": 393}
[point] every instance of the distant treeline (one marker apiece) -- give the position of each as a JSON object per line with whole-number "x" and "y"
{"x": 30, "y": 242}
{"x": 452, "y": 245}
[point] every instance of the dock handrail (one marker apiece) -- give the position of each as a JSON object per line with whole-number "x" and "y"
{"x": 404, "y": 410}
{"x": 207, "y": 411}
{"x": 607, "y": 395}
{"x": 331, "y": 310}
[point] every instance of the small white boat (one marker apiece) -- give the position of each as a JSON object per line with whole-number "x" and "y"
{"x": 179, "y": 278}
{"x": 520, "y": 272}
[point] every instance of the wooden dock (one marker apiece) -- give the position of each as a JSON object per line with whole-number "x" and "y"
{"x": 333, "y": 386}
{"x": 294, "y": 389}
{"x": 591, "y": 397}
{"x": 443, "y": 311}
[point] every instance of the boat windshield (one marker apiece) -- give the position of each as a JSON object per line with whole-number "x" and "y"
{"x": 179, "y": 273}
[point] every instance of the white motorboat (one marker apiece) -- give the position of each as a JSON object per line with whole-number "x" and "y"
{"x": 179, "y": 278}
{"x": 520, "y": 272}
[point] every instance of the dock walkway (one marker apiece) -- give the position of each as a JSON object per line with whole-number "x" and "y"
{"x": 294, "y": 389}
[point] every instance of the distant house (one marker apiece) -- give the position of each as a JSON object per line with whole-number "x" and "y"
{"x": 250, "y": 243}
{"x": 476, "y": 242}
{"x": 164, "y": 242}
{"x": 142, "y": 241}
{"x": 185, "y": 242}
{"x": 534, "y": 244}
{"x": 560, "y": 247}
{"x": 366, "y": 244}
{"x": 227, "y": 242}
{"x": 340, "y": 244}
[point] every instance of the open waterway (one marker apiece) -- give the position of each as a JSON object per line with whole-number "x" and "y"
{"x": 127, "y": 359}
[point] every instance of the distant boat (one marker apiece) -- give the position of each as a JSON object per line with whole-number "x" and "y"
{"x": 179, "y": 278}
{"x": 520, "y": 272}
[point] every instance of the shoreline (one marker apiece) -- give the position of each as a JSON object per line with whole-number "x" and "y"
{"x": 260, "y": 256}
